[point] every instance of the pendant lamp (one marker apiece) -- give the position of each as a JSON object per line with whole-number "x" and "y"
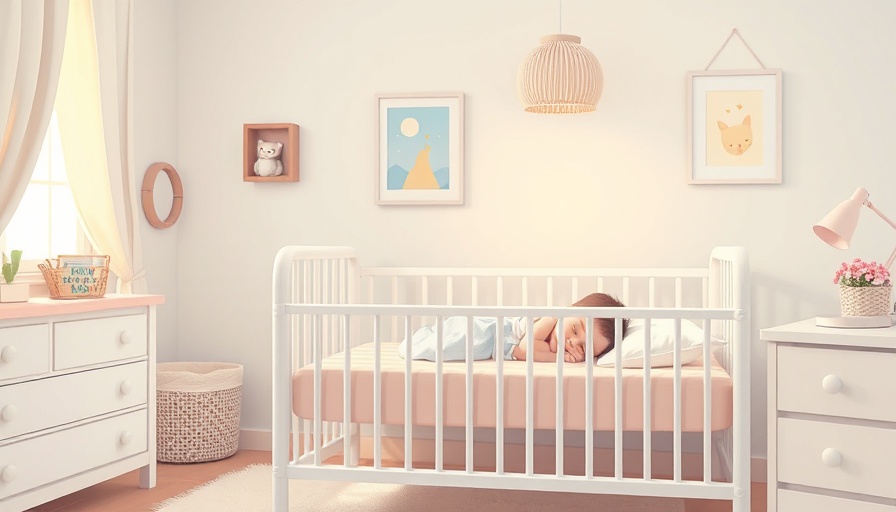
{"x": 560, "y": 76}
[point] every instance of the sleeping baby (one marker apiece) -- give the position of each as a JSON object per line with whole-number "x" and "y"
{"x": 546, "y": 340}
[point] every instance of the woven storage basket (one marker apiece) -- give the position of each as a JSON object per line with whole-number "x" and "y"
{"x": 76, "y": 276}
{"x": 865, "y": 300}
{"x": 198, "y": 411}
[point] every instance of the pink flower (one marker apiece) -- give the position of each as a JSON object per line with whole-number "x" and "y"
{"x": 860, "y": 273}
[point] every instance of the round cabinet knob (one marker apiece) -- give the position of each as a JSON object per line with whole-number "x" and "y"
{"x": 831, "y": 457}
{"x": 126, "y": 437}
{"x": 125, "y": 387}
{"x": 9, "y": 413}
{"x": 832, "y": 384}
{"x": 9, "y": 354}
{"x": 8, "y": 474}
{"x": 126, "y": 338}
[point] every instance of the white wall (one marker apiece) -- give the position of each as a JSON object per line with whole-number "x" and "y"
{"x": 609, "y": 185}
{"x": 155, "y": 140}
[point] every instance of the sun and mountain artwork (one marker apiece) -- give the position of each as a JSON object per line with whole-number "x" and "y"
{"x": 417, "y": 153}
{"x": 734, "y": 134}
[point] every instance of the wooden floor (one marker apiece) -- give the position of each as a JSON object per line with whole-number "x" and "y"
{"x": 122, "y": 494}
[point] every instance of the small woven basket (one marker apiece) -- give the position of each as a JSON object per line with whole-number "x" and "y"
{"x": 198, "y": 411}
{"x": 865, "y": 300}
{"x": 67, "y": 277}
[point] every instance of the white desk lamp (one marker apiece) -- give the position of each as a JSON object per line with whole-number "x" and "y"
{"x": 837, "y": 228}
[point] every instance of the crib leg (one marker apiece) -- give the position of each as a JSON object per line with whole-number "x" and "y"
{"x": 356, "y": 444}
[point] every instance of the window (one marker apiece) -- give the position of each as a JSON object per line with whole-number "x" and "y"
{"x": 45, "y": 224}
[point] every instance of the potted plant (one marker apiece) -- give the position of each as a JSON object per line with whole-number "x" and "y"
{"x": 864, "y": 288}
{"x": 9, "y": 291}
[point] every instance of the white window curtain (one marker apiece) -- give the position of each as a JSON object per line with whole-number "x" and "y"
{"x": 94, "y": 109}
{"x": 32, "y": 34}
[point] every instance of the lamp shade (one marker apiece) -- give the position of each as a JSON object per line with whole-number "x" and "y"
{"x": 837, "y": 227}
{"x": 560, "y": 76}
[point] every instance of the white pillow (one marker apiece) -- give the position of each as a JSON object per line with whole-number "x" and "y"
{"x": 662, "y": 343}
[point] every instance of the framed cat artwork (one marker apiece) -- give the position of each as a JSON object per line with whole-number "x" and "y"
{"x": 734, "y": 126}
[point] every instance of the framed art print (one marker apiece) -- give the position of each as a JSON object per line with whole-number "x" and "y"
{"x": 420, "y": 149}
{"x": 734, "y": 126}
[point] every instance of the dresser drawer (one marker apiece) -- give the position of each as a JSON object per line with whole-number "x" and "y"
{"x": 24, "y": 351}
{"x": 39, "y": 404}
{"x": 99, "y": 340}
{"x": 843, "y": 383}
{"x": 794, "y": 501}
{"x": 42, "y": 460}
{"x": 866, "y": 456}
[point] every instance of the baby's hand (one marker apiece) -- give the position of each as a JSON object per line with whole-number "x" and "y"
{"x": 574, "y": 353}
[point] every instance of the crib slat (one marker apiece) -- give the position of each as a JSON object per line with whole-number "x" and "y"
{"x": 318, "y": 427}
{"x": 346, "y": 399}
{"x": 617, "y": 385}
{"x": 469, "y": 398}
{"x": 331, "y": 327}
{"x": 707, "y": 405}
{"x": 439, "y": 419}
{"x": 558, "y": 443}
{"x": 530, "y": 396}
{"x": 499, "y": 398}
{"x": 648, "y": 394}
{"x": 676, "y": 398}
{"x": 377, "y": 396}
{"x": 550, "y": 286}
{"x": 408, "y": 395}
{"x": 307, "y": 348}
{"x": 394, "y": 301}
{"x": 589, "y": 399}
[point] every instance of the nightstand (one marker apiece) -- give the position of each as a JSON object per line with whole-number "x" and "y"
{"x": 831, "y": 418}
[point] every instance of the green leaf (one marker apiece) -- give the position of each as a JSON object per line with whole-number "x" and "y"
{"x": 10, "y": 268}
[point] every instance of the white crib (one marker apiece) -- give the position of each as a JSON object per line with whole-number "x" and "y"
{"x": 324, "y": 302}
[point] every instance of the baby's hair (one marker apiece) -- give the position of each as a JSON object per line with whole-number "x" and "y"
{"x": 606, "y": 326}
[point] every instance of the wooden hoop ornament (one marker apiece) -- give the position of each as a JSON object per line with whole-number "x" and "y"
{"x": 149, "y": 207}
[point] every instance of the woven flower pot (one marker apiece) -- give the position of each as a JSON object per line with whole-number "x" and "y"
{"x": 865, "y": 300}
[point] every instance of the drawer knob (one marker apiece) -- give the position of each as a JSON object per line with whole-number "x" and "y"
{"x": 125, "y": 387}
{"x": 831, "y": 457}
{"x": 9, "y": 413}
{"x": 832, "y": 384}
{"x": 126, "y": 437}
{"x": 9, "y": 473}
{"x": 9, "y": 354}
{"x": 126, "y": 337}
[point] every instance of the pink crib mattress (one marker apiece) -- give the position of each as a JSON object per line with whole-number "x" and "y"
{"x": 484, "y": 384}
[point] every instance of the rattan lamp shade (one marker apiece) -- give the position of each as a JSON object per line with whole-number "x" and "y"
{"x": 560, "y": 76}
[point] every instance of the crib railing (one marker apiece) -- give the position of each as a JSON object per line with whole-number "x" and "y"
{"x": 317, "y": 314}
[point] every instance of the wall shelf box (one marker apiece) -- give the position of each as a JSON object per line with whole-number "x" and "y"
{"x": 285, "y": 133}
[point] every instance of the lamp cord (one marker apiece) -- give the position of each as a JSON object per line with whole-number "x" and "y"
{"x": 560, "y": 17}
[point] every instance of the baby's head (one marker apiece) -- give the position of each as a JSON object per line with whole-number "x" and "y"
{"x": 604, "y": 328}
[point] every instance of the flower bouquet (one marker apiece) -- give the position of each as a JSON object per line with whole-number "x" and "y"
{"x": 864, "y": 288}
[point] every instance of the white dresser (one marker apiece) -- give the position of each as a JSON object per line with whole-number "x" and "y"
{"x": 77, "y": 395}
{"x": 831, "y": 418}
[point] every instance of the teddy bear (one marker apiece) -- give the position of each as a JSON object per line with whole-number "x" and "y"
{"x": 268, "y": 163}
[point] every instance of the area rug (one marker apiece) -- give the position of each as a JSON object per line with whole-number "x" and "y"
{"x": 249, "y": 490}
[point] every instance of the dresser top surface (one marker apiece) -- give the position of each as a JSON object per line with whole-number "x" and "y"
{"x": 45, "y": 306}
{"x": 805, "y": 331}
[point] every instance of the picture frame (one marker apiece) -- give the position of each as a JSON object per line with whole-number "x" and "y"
{"x": 420, "y": 149}
{"x": 734, "y": 127}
